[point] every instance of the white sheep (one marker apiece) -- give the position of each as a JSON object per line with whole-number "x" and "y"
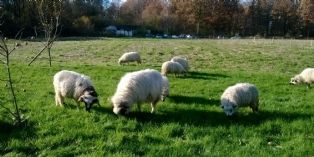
{"x": 73, "y": 85}
{"x": 130, "y": 57}
{"x": 172, "y": 67}
{"x": 306, "y": 76}
{"x": 239, "y": 95}
{"x": 137, "y": 87}
{"x": 165, "y": 88}
{"x": 182, "y": 60}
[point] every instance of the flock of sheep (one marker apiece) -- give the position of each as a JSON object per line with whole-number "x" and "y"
{"x": 150, "y": 86}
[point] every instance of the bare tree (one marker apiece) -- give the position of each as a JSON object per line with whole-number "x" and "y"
{"x": 49, "y": 13}
{"x": 5, "y": 53}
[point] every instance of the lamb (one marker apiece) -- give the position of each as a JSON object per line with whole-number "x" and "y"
{"x": 137, "y": 87}
{"x": 306, "y": 76}
{"x": 182, "y": 60}
{"x": 239, "y": 95}
{"x": 172, "y": 67}
{"x": 165, "y": 88}
{"x": 130, "y": 57}
{"x": 73, "y": 85}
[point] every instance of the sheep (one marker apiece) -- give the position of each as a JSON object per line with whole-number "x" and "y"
{"x": 306, "y": 76}
{"x": 130, "y": 57}
{"x": 182, "y": 60}
{"x": 172, "y": 67}
{"x": 239, "y": 95}
{"x": 73, "y": 85}
{"x": 18, "y": 44}
{"x": 137, "y": 87}
{"x": 165, "y": 88}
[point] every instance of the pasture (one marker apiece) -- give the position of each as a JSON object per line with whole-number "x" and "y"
{"x": 189, "y": 123}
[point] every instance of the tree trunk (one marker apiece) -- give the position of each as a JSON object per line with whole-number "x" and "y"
{"x": 17, "y": 112}
{"x": 197, "y": 28}
{"x": 49, "y": 48}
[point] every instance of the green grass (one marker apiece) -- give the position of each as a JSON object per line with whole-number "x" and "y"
{"x": 189, "y": 123}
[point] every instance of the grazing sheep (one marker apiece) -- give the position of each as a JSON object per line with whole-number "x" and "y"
{"x": 130, "y": 57}
{"x": 239, "y": 95}
{"x": 182, "y": 60}
{"x": 73, "y": 85}
{"x": 165, "y": 88}
{"x": 172, "y": 67}
{"x": 18, "y": 44}
{"x": 137, "y": 87}
{"x": 306, "y": 76}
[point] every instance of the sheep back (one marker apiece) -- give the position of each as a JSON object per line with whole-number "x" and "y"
{"x": 307, "y": 75}
{"x": 70, "y": 84}
{"x": 241, "y": 94}
{"x": 172, "y": 67}
{"x": 130, "y": 57}
{"x": 182, "y": 60}
{"x": 137, "y": 87}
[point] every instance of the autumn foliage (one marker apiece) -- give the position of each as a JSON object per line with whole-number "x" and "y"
{"x": 203, "y": 18}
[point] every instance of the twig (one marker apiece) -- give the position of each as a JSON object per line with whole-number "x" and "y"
{"x": 42, "y": 50}
{"x": 35, "y": 30}
{"x": 3, "y": 47}
{"x": 7, "y": 109}
{"x": 3, "y": 80}
{"x": 4, "y": 62}
{"x": 19, "y": 33}
{"x": 2, "y": 53}
{"x": 11, "y": 51}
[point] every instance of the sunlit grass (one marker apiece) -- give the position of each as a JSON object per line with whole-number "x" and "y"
{"x": 189, "y": 123}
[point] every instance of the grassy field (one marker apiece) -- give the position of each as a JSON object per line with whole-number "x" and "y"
{"x": 189, "y": 123}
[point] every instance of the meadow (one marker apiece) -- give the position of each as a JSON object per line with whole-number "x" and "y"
{"x": 189, "y": 123}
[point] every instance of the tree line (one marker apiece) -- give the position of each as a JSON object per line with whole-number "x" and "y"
{"x": 203, "y": 18}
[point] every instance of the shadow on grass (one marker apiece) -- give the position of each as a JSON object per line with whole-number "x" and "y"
{"x": 5, "y": 128}
{"x": 204, "y": 76}
{"x": 192, "y": 100}
{"x": 20, "y": 133}
{"x": 102, "y": 109}
{"x": 202, "y": 118}
{"x": 200, "y": 75}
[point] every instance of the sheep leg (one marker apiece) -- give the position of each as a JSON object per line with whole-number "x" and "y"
{"x": 77, "y": 105}
{"x": 254, "y": 107}
{"x": 58, "y": 99}
{"x": 138, "y": 106}
{"x": 153, "y": 105}
{"x": 309, "y": 86}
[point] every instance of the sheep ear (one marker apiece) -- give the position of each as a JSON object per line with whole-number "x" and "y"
{"x": 93, "y": 93}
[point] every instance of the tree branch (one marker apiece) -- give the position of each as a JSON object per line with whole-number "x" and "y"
{"x": 4, "y": 62}
{"x": 3, "y": 47}
{"x": 19, "y": 33}
{"x": 37, "y": 55}
{"x": 7, "y": 109}
{"x": 2, "y": 53}
{"x": 11, "y": 51}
